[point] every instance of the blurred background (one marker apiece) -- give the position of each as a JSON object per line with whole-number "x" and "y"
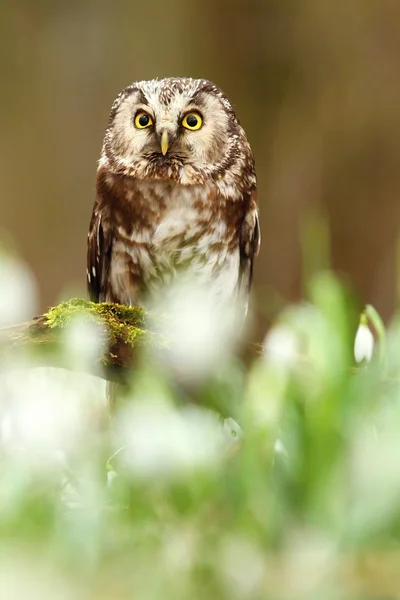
{"x": 314, "y": 83}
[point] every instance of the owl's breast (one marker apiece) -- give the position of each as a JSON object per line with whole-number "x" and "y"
{"x": 181, "y": 233}
{"x": 191, "y": 244}
{"x": 188, "y": 227}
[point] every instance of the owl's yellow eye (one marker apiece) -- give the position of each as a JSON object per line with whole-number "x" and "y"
{"x": 143, "y": 120}
{"x": 192, "y": 121}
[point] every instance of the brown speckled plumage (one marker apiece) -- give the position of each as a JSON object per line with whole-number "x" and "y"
{"x": 191, "y": 211}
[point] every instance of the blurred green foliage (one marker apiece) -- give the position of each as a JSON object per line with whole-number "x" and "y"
{"x": 297, "y": 497}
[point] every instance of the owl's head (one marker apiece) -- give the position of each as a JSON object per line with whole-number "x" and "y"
{"x": 176, "y": 128}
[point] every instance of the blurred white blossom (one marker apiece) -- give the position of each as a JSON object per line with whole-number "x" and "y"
{"x": 70, "y": 499}
{"x": 23, "y": 576}
{"x": 165, "y": 442}
{"x": 279, "y": 448}
{"x": 375, "y": 469}
{"x": 232, "y": 429}
{"x": 309, "y": 558}
{"x": 322, "y": 343}
{"x": 181, "y": 548}
{"x": 281, "y": 346}
{"x": 112, "y": 476}
{"x": 241, "y": 566}
{"x": 200, "y": 334}
{"x": 18, "y": 298}
{"x": 82, "y": 342}
{"x": 364, "y": 342}
{"x": 45, "y": 410}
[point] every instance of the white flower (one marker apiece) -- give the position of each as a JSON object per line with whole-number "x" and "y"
{"x": 27, "y": 575}
{"x": 281, "y": 346}
{"x": 279, "y": 448}
{"x": 200, "y": 334}
{"x": 241, "y": 567}
{"x": 43, "y": 411}
{"x": 232, "y": 429}
{"x": 111, "y": 477}
{"x": 18, "y": 298}
{"x": 162, "y": 442}
{"x": 82, "y": 343}
{"x": 364, "y": 342}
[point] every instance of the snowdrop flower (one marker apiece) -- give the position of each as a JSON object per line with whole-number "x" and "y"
{"x": 279, "y": 448}
{"x": 200, "y": 334}
{"x": 374, "y": 463}
{"x": 25, "y": 575}
{"x": 242, "y": 568}
{"x": 82, "y": 342}
{"x": 18, "y": 298}
{"x": 364, "y": 342}
{"x": 309, "y": 559}
{"x": 281, "y": 346}
{"x": 232, "y": 429}
{"x": 180, "y": 548}
{"x": 112, "y": 476}
{"x": 46, "y": 410}
{"x": 162, "y": 442}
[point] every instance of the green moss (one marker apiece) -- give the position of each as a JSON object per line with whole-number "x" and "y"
{"x": 124, "y": 323}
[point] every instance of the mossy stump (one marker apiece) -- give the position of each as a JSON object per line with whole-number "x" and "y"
{"x": 122, "y": 330}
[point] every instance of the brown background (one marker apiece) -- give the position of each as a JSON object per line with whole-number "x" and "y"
{"x": 316, "y": 84}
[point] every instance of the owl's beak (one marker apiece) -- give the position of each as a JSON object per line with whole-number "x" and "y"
{"x": 164, "y": 142}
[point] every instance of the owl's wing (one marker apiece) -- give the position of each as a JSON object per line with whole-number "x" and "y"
{"x": 98, "y": 255}
{"x": 250, "y": 239}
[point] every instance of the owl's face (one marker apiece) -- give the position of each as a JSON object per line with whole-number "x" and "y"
{"x": 182, "y": 129}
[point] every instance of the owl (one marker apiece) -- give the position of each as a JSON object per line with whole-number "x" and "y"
{"x": 175, "y": 196}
